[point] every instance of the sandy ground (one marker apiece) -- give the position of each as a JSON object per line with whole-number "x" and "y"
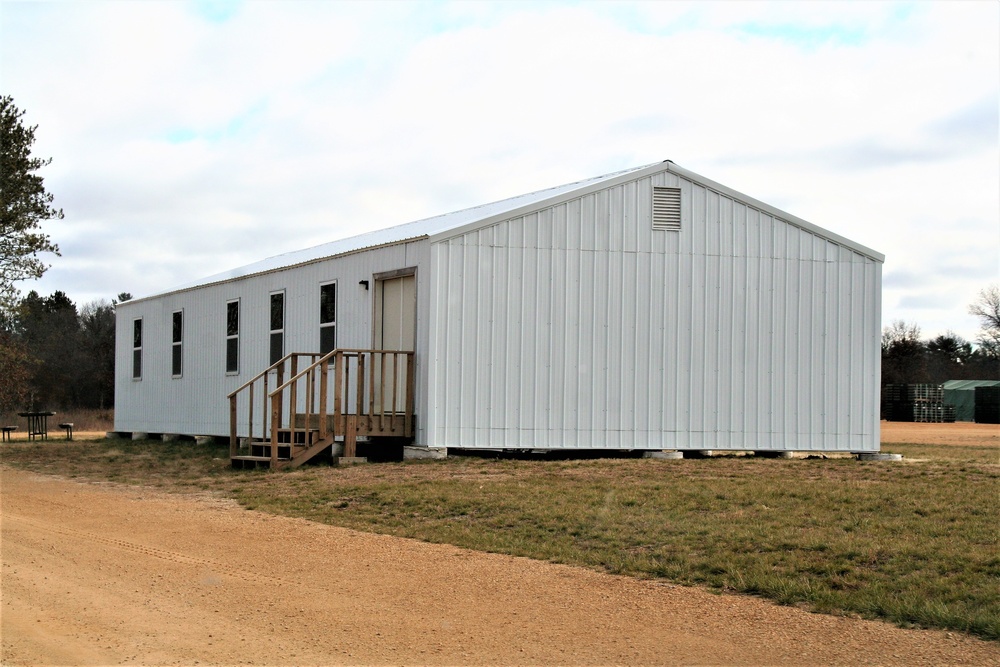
{"x": 102, "y": 575}
{"x": 959, "y": 433}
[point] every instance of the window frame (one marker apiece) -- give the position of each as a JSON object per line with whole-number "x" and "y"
{"x": 272, "y": 331}
{"x": 235, "y": 336}
{"x": 177, "y": 344}
{"x": 331, "y": 324}
{"x": 137, "y": 332}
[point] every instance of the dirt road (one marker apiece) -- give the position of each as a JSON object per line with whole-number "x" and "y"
{"x": 111, "y": 575}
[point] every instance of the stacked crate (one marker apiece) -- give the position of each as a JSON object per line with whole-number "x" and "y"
{"x": 987, "y": 405}
{"x": 916, "y": 403}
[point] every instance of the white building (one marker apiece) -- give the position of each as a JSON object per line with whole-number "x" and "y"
{"x": 647, "y": 309}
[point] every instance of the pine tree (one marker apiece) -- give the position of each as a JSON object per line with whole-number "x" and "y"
{"x": 24, "y": 203}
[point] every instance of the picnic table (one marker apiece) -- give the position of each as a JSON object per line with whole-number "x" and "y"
{"x": 38, "y": 423}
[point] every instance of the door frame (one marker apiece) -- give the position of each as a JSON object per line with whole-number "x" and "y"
{"x": 377, "y": 279}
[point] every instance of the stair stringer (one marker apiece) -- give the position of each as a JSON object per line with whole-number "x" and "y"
{"x": 305, "y": 454}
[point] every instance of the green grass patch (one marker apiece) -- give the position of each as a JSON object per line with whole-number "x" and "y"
{"x": 915, "y": 543}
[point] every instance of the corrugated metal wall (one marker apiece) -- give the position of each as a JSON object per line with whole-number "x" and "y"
{"x": 581, "y": 327}
{"x": 196, "y": 403}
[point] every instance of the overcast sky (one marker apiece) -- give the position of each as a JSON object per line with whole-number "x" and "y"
{"x": 192, "y": 137}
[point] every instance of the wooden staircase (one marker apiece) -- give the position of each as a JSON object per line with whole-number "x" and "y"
{"x": 306, "y": 445}
{"x": 334, "y": 399}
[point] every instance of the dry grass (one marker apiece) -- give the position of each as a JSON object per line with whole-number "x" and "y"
{"x": 86, "y": 423}
{"x": 913, "y": 542}
{"x": 958, "y": 433}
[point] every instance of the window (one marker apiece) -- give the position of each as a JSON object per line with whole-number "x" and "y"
{"x": 277, "y": 326}
{"x": 137, "y": 349}
{"x": 177, "y": 343}
{"x": 667, "y": 209}
{"x": 327, "y": 317}
{"x": 233, "y": 336}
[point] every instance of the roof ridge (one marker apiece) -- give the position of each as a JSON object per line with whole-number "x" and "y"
{"x": 422, "y": 228}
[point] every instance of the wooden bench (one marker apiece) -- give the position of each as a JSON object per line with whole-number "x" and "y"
{"x": 68, "y": 427}
{"x": 7, "y": 431}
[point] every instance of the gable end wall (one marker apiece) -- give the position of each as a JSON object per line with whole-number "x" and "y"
{"x": 578, "y": 326}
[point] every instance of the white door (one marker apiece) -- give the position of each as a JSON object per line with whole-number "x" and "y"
{"x": 395, "y": 329}
{"x": 395, "y": 313}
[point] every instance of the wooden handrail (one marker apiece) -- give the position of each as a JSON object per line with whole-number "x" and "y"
{"x": 300, "y": 374}
{"x": 278, "y": 368}
{"x": 267, "y": 370}
{"x": 382, "y": 400}
{"x": 327, "y": 356}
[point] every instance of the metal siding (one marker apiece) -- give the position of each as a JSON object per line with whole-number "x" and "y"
{"x": 741, "y": 331}
{"x": 872, "y": 315}
{"x": 196, "y": 404}
{"x": 586, "y": 335}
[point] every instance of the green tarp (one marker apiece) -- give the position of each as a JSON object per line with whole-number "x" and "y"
{"x": 962, "y": 394}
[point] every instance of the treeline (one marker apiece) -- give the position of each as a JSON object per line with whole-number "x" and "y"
{"x": 56, "y": 356}
{"x": 906, "y": 358}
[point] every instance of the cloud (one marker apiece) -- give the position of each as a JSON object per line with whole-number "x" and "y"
{"x": 929, "y": 300}
{"x": 216, "y": 11}
{"x": 975, "y": 126}
{"x": 189, "y": 138}
{"x": 905, "y": 280}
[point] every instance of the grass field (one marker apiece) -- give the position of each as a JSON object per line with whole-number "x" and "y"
{"x": 915, "y": 542}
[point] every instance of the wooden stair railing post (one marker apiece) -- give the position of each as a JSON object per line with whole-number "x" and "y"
{"x": 395, "y": 388}
{"x": 232, "y": 426}
{"x": 292, "y": 404}
{"x": 314, "y": 397}
{"x": 293, "y": 398}
{"x": 324, "y": 372}
{"x": 278, "y": 381}
{"x": 250, "y": 415}
{"x": 338, "y": 390}
{"x": 264, "y": 411}
{"x": 275, "y": 422}
{"x": 351, "y": 436}
{"x": 411, "y": 385}
{"x": 381, "y": 391}
{"x": 371, "y": 391}
{"x": 351, "y": 420}
{"x": 310, "y": 378}
{"x": 359, "y": 398}
{"x": 313, "y": 393}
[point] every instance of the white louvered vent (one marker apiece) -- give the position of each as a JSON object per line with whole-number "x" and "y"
{"x": 667, "y": 209}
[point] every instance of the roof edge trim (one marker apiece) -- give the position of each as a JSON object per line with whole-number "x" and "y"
{"x": 554, "y": 200}
{"x": 776, "y": 212}
{"x": 670, "y": 166}
{"x": 277, "y": 269}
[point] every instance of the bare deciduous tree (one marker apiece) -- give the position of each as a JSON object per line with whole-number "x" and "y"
{"x": 987, "y": 308}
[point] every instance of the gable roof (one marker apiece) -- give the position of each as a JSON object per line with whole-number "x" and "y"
{"x": 968, "y": 385}
{"x": 457, "y": 222}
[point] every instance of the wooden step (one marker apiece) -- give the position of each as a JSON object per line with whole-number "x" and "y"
{"x": 303, "y": 454}
{"x": 285, "y": 451}
{"x": 288, "y": 454}
{"x": 250, "y": 462}
{"x": 302, "y": 437}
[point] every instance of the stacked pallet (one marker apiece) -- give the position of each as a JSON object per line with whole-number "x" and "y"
{"x": 916, "y": 403}
{"x": 988, "y": 405}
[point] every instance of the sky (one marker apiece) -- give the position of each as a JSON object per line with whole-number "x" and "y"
{"x": 188, "y": 138}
